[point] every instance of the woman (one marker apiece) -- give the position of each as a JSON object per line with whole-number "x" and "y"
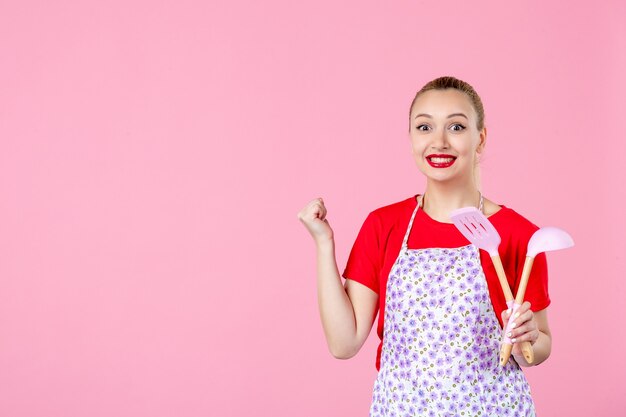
{"x": 436, "y": 295}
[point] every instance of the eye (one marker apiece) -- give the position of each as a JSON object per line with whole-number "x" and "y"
{"x": 459, "y": 125}
{"x": 420, "y": 127}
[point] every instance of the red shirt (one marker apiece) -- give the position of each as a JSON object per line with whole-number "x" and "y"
{"x": 380, "y": 239}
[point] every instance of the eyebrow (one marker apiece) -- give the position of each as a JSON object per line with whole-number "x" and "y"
{"x": 429, "y": 116}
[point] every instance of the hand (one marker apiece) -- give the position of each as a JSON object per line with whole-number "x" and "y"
{"x": 525, "y": 327}
{"x": 313, "y": 216}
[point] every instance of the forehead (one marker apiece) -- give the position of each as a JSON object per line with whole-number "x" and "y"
{"x": 440, "y": 103}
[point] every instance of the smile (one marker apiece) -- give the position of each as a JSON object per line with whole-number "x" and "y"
{"x": 437, "y": 162}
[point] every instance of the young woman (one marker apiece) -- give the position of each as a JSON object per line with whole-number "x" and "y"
{"x": 440, "y": 306}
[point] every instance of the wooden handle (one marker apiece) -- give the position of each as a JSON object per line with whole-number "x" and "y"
{"x": 497, "y": 263}
{"x": 506, "y": 349}
{"x": 505, "y": 353}
{"x": 526, "y": 347}
{"x": 527, "y": 350}
{"x": 521, "y": 290}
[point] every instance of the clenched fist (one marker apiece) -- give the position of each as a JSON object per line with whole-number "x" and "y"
{"x": 313, "y": 216}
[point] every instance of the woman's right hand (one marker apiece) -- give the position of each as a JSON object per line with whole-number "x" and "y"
{"x": 313, "y": 216}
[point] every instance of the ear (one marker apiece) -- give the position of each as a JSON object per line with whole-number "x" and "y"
{"x": 483, "y": 140}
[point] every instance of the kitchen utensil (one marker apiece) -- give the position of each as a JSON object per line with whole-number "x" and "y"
{"x": 476, "y": 228}
{"x": 545, "y": 239}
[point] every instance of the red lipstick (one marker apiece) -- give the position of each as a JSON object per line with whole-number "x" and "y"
{"x": 440, "y": 163}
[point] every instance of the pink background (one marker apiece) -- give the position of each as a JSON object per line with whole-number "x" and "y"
{"x": 154, "y": 156}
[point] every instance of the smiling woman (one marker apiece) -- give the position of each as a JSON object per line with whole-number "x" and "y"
{"x": 439, "y": 301}
{"x": 429, "y": 121}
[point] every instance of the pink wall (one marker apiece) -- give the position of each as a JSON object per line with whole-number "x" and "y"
{"x": 154, "y": 155}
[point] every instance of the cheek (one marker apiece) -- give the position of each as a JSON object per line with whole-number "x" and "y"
{"x": 417, "y": 153}
{"x": 417, "y": 148}
{"x": 466, "y": 148}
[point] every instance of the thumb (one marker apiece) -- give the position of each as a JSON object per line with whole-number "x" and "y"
{"x": 506, "y": 314}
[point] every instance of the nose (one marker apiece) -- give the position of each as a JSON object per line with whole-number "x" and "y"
{"x": 440, "y": 141}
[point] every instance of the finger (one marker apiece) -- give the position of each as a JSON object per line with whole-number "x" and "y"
{"x": 521, "y": 324}
{"x": 324, "y": 210}
{"x": 316, "y": 202}
{"x": 525, "y": 317}
{"x": 524, "y": 307}
{"x": 530, "y": 336}
{"x": 505, "y": 317}
{"x": 313, "y": 213}
{"x": 309, "y": 209}
{"x": 521, "y": 330}
{"x": 521, "y": 310}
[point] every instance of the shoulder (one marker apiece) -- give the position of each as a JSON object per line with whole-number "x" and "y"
{"x": 513, "y": 224}
{"x": 395, "y": 210}
{"x": 384, "y": 219}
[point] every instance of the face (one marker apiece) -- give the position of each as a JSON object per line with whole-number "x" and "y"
{"x": 443, "y": 122}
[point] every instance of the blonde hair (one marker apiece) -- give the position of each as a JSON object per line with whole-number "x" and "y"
{"x": 445, "y": 82}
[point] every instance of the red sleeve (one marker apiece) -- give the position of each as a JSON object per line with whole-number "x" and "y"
{"x": 364, "y": 262}
{"x": 537, "y": 289}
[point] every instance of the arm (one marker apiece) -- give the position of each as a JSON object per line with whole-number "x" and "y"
{"x": 531, "y": 326}
{"x": 347, "y": 313}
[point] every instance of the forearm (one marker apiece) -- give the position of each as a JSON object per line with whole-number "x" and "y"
{"x": 541, "y": 351}
{"x": 336, "y": 311}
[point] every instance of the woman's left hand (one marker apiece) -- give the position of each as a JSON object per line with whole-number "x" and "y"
{"x": 525, "y": 327}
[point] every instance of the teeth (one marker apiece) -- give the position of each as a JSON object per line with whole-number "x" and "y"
{"x": 442, "y": 160}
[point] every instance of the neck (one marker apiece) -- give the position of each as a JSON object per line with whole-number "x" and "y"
{"x": 441, "y": 198}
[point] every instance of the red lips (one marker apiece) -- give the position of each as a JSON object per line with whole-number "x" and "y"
{"x": 440, "y": 155}
{"x": 438, "y": 164}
